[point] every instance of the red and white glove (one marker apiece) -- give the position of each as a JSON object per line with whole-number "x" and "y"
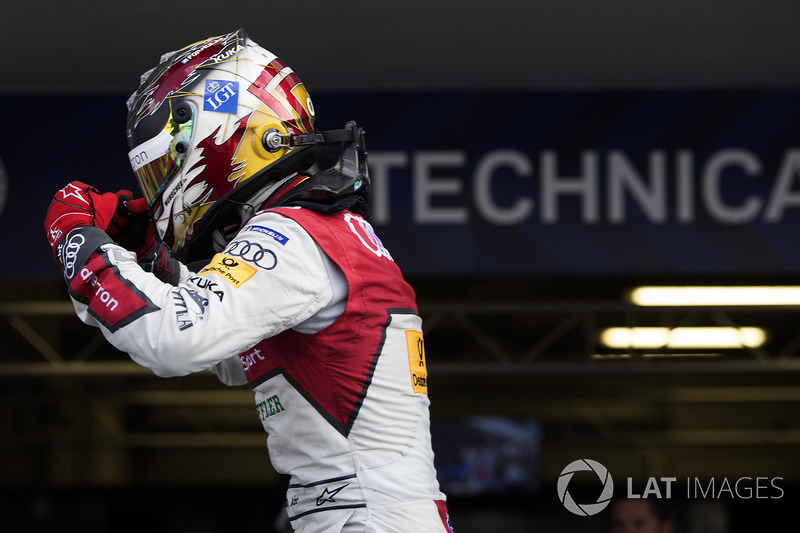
{"x": 132, "y": 228}
{"x": 103, "y": 217}
{"x": 78, "y": 205}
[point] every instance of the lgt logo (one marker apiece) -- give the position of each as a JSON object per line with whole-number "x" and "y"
{"x": 221, "y": 96}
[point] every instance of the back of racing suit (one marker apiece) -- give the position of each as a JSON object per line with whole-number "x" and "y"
{"x": 346, "y": 408}
{"x": 344, "y": 403}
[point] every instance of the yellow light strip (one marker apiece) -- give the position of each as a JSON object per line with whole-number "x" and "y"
{"x": 683, "y": 337}
{"x": 753, "y": 295}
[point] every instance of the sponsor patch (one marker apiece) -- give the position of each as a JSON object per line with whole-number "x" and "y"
{"x": 280, "y": 238}
{"x": 231, "y": 269}
{"x": 416, "y": 361}
{"x": 269, "y": 407}
{"x": 68, "y": 252}
{"x": 118, "y": 255}
{"x": 253, "y": 253}
{"x": 189, "y": 307}
{"x": 209, "y": 285}
{"x": 111, "y": 299}
{"x": 221, "y": 96}
{"x": 250, "y": 359}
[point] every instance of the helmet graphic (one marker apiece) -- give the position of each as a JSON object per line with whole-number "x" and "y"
{"x": 206, "y": 121}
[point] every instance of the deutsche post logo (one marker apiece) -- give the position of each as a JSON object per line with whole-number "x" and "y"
{"x": 416, "y": 361}
{"x": 230, "y": 269}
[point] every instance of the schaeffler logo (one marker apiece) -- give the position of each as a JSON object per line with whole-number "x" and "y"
{"x": 585, "y": 509}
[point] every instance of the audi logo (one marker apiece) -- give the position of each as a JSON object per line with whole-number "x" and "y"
{"x": 69, "y": 254}
{"x": 254, "y": 253}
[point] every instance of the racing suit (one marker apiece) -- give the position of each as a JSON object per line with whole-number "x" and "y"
{"x": 310, "y": 310}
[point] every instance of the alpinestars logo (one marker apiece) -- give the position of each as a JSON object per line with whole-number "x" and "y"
{"x": 586, "y": 509}
{"x": 328, "y": 496}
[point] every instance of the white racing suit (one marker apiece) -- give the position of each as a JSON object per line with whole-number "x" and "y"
{"x": 312, "y": 312}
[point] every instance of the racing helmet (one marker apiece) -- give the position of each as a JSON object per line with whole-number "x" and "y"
{"x": 207, "y": 120}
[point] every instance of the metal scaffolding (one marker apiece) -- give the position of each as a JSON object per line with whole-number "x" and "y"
{"x": 67, "y": 395}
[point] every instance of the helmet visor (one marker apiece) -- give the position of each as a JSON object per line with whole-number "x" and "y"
{"x": 157, "y": 160}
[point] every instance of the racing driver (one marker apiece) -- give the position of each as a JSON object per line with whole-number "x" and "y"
{"x": 249, "y": 255}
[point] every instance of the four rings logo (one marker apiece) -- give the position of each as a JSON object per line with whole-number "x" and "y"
{"x": 69, "y": 252}
{"x": 252, "y": 252}
{"x": 587, "y": 509}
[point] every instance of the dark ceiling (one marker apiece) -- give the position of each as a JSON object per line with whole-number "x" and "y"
{"x": 416, "y": 45}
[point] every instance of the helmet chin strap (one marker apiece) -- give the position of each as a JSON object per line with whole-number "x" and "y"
{"x": 344, "y": 185}
{"x": 222, "y": 236}
{"x": 341, "y": 186}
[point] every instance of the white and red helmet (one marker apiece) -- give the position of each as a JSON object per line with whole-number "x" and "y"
{"x": 205, "y": 121}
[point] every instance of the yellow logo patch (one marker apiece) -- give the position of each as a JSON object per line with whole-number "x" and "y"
{"x": 416, "y": 361}
{"x": 231, "y": 269}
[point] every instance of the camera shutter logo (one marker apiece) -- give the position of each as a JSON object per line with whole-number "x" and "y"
{"x": 586, "y": 509}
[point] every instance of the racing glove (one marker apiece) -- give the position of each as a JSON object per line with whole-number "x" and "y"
{"x": 78, "y": 207}
{"x": 132, "y": 228}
